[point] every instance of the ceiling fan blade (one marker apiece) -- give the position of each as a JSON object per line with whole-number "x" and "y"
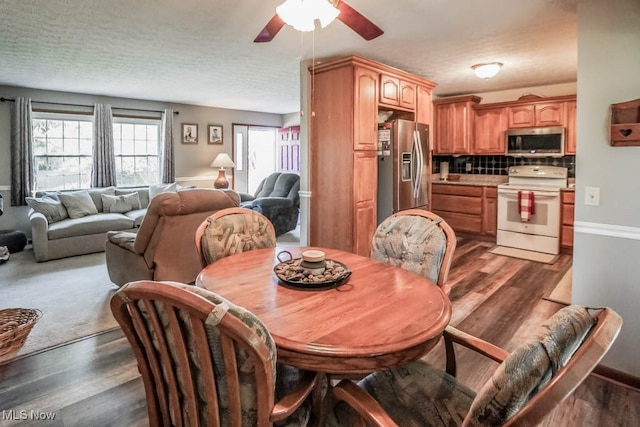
{"x": 270, "y": 30}
{"x": 358, "y": 22}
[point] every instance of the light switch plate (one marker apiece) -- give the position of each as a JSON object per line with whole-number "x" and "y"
{"x": 592, "y": 196}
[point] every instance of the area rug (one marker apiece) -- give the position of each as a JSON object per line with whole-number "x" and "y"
{"x": 73, "y": 295}
{"x": 523, "y": 254}
{"x": 562, "y": 292}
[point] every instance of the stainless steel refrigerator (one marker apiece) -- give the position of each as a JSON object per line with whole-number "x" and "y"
{"x": 403, "y": 167}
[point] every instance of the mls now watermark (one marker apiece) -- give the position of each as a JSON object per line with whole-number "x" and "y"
{"x": 24, "y": 415}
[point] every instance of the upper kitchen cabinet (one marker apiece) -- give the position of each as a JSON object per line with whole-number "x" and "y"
{"x": 364, "y": 108}
{"x": 454, "y": 124}
{"x": 490, "y": 126}
{"x": 535, "y": 111}
{"x": 424, "y": 105}
{"x": 395, "y": 92}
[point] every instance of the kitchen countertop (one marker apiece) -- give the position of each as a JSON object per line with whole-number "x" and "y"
{"x": 475, "y": 180}
{"x": 483, "y": 180}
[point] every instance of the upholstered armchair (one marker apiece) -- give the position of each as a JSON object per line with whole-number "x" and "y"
{"x": 205, "y": 361}
{"x": 163, "y": 248}
{"x": 233, "y": 231}
{"x": 418, "y": 241}
{"x": 276, "y": 198}
{"x": 524, "y": 388}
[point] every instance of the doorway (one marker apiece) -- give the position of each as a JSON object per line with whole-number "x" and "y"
{"x": 258, "y": 151}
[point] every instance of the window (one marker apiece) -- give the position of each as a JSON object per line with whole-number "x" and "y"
{"x": 62, "y": 149}
{"x": 137, "y": 148}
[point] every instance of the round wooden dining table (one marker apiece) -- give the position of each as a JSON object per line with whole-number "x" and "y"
{"x": 383, "y": 316}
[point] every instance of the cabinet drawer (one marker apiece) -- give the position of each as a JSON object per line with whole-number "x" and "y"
{"x": 491, "y": 192}
{"x": 461, "y": 222}
{"x": 568, "y": 196}
{"x": 458, "y": 190}
{"x": 462, "y": 204}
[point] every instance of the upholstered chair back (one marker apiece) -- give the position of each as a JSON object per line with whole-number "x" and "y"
{"x": 232, "y": 231}
{"x": 418, "y": 241}
{"x": 204, "y": 361}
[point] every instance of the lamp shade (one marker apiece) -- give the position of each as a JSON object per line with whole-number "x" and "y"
{"x": 486, "y": 71}
{"x": 223, "y": 160}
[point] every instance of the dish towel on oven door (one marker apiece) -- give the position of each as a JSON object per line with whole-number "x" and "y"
{"x": 526, "y": 205}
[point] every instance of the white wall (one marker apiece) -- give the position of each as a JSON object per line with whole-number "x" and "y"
{"x": 607, "y": 237}
{"x": 192, "y": 160}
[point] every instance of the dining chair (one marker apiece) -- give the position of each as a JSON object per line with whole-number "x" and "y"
{"x": 207, "y": 362}
{"x": 526, "y": 386}
{"x": 231, "y": 231}
{"x": 416, "y": 240}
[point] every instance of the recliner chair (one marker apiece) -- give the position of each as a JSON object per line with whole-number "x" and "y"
{"x": 277, "y": 198}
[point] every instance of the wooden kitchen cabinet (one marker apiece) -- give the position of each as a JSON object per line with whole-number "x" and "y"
{"x": 454, "y": 125}
{"x": 343, "y": 162}
{"x": 490, "y": 126}
{"x": 397, "y": 92}
{"x": 459, "y": 205}
{"x": 490, "y": 211}
{"x": 570, "y": 137}
{"x": 424, "y": 106}
{"x": 567, "y": 218}
{"x": 537, "y": 114}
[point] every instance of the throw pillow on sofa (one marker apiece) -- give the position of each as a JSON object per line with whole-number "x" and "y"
{"x": 120, "y": 204}
{"x": 78, "y": 204}
{"x": 156, "y": 189}
{"x": 48, "y": 206}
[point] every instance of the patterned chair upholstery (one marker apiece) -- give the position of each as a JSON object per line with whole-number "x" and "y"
{"x": 418, "y": 241}
{"x": 277, "y": 198}
{"x": 232, "y": 231}
{"x": 205, "y": 361}
{"x": 520, "y": 392}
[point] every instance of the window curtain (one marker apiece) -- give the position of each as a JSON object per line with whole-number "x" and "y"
{"x": 168, "y": 166}
{"x": 22, "y": 169}
{"x": 103, "y": 172}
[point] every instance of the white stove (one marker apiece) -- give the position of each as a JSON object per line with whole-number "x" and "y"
{"x": 541, "y": 231}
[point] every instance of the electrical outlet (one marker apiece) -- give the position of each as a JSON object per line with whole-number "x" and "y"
{"x": 592, "y": 196}
{"x": 467, "y": 167}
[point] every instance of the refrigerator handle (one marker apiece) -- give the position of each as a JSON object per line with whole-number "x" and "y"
{"x": 418, "y": 159}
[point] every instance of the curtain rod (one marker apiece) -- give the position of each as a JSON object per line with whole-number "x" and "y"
{"x": 3, "y": 99}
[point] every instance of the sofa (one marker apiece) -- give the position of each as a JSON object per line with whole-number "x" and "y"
{"x": 277, "y": 198}
{"x": 70, "y": 223}
{"x": 164, "y": 247}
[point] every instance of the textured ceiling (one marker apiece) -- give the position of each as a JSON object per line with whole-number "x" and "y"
{"x": 202, "y": 52}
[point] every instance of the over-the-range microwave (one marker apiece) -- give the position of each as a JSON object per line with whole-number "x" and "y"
{"x": 535, "y": 142}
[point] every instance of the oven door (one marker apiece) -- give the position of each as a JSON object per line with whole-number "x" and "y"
{"x": 546, "y": 220}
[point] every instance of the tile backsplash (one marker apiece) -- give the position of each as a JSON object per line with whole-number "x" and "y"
{"x": 499, "y": 165}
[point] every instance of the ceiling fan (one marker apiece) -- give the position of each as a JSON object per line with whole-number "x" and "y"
{"x": 348, "y": 15}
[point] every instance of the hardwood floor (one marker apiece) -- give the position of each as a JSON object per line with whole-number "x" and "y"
{"x": 95, "y": 381}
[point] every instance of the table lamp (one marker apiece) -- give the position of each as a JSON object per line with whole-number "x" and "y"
{"x": 222, "y": 161}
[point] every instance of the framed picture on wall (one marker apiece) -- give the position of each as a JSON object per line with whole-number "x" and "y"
{"x": 215, "y": 134}
{"x": 189, "y": 133}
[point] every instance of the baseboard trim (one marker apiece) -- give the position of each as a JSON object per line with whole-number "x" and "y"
{"x": 618, "y": 377}
{"x": 620, "y": 231}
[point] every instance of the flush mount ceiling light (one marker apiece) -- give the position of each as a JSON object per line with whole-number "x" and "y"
{"x": 486, "y": 71}
{"x": 302, "y": 14}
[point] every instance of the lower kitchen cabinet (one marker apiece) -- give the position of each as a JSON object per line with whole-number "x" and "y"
{"x": 467, "y": 208}
{"x": 490, "y": 211}
{"x": 459, "y": 205}
{"x": 566, "y": 232}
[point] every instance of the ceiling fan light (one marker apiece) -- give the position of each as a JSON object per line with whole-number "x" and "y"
{"x": 324, "y": 11}
{"x": 289, "y": 11}
{"x": 301, "y": 14}
{"x": 486, "y": 71}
